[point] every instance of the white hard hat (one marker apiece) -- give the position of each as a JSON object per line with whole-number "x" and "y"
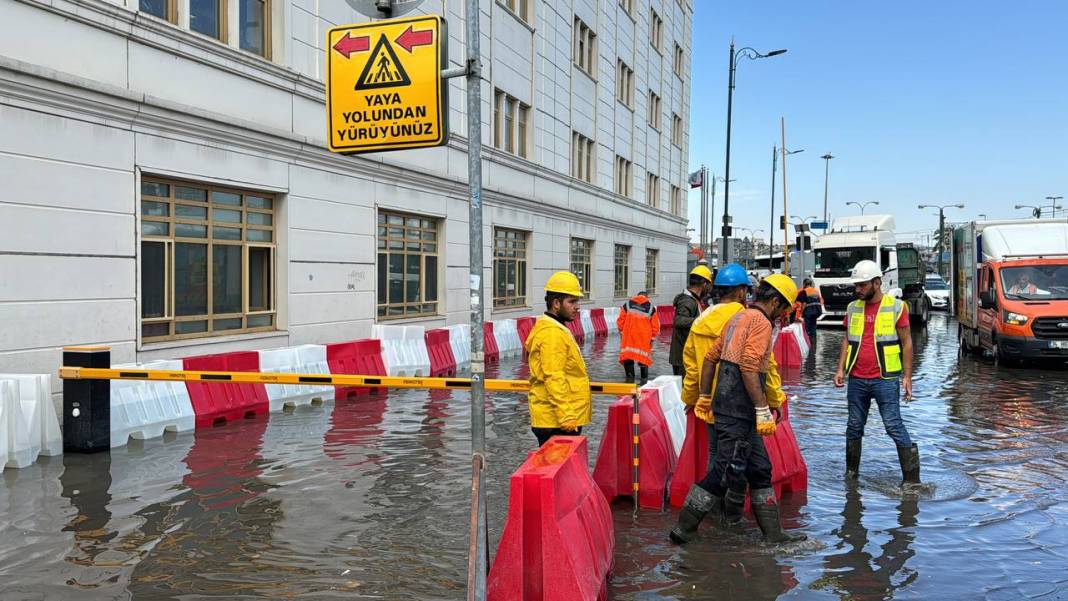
{"x": 865, "y": 271}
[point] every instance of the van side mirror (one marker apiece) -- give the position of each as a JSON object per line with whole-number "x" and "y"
{"x": 986, "y": 300}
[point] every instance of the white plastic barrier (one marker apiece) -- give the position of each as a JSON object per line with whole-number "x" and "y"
{"x": 506, "y": 332}
{"x": 145, "y": 409}
{"x": 16, "y": 449}
{"x": 395, "y": 355}
{"x": 670, "y": 393}
{"x": 460, "y": 341}
{"x": 305, "y": 359}
{"x": 415, "y": 343}
{"x": 798, "y": 334}
{"x": 611, "y": 314}
{"x": 587, "y": 323}
{"x": 28, "y": 420}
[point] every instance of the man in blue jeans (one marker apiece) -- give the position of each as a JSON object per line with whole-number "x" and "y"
{"x": 877, "y": 356}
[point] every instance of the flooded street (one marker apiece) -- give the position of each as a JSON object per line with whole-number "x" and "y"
{"x": 368, "y": 499}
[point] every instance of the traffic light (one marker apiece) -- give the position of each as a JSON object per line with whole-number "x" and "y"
{"x": 782, "y": 222}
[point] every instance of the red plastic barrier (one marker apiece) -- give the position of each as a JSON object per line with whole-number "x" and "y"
{"x": 442, "y": 363}
{"x": 359, "y": 358}
{"x": 224, "y": 465}
{"x": 525, "y": 325}
{"x": 600, "y": 326}
{"x": 788, "y": 470}
{"x": 787, "y": 352}
{"x": 558, "y": 540}
{"x": 228, "y": 401}
{"x": 667, "y": 315}
{"x": 656, "y": 455}
{"x": 489, "y": 343}
{"x": 575, "y": 325}
{"x": 693, "y": 462}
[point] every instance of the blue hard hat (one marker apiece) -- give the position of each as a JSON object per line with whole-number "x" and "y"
{"x": 732, "y": 274}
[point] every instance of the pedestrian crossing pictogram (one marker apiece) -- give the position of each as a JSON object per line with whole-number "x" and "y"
{"x": 384, "y": 69}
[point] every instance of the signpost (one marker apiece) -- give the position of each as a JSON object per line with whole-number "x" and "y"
{"x": 384, "y": 87}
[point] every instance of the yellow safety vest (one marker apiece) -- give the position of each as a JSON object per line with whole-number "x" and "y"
{"x": 887, "y": 343}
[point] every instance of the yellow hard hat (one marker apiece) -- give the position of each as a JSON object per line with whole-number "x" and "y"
{"x": 786, "y": 286}
{"x": 564, "y": 282}
{"x": 702, "y": 271}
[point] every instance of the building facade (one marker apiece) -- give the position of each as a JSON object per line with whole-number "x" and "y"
{"x": 168, "y": 192}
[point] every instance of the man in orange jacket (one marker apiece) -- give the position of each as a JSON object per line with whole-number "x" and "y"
{"x": 638, "y": 324}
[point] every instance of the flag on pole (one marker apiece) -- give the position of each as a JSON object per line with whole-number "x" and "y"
{"x": 697, "y": 178}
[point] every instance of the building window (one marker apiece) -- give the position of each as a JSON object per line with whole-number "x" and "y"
{"x": 254, "y": 15}
{"x": 585, "y": 50}
{"x": 623, "y": 176}
{"x": 582, "y": 263}
{"x": 656, "y": 30}
{"x": 207, "y": 260}
{"x": 676, "y": 200}
{"x": 652, "y": 190}
{"x": 407, "y": 265}
{"x": 521, "y": 9}
{"x": 509, "y": 268}
{"x": 651, "y": 257}
{"x": 581, "y": 157}
{"x": 628, "y": 6}
{"x": 164, "y": 9}
{"x": 511, "y": 118}
{"x": 676, "y": 130}
{"x": 208, "y": 17}
{"x": 678, "y": 60}
{"x": 622, "y": 271}
{"x": 654, "y": 111}
{"x": 624, "y": 83}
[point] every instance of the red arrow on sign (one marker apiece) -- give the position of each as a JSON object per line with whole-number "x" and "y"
{"x": 347, "y": 45}
{"x": 410, "y": 39}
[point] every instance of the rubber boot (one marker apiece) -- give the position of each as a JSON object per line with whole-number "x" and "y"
{"x": 698, "y": 503}
{"x": 910, "y": 464}
{"x": 628, "y": 371}
{"x": 644, "y": 370}
{"x": 733, "y": 504}
{"x": 853, "y": 458}
{"x": 766, "y": 512}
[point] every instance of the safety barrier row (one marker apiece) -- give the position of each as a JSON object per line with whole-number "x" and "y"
{"x": 558, "y": 541}
{"x": 791, "y": 346}
{"x": 439, "y": 348}
{"x": 506, "y": 335}
{"x": 460, "y": 342}
{"x": 586, "y": 319}
{"x": 404, "y": 350}
{"x": 667, "y": 315}
{"x": 611, "y": 314}
{"x": 29, "y": 426}
{"x": 600, "y": 327}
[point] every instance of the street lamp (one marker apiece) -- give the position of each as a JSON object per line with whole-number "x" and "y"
{"x": 1037, "y": 210}
{"x": 983, "y": 216}
{"x": 826, "y": 180}
{"x": 750, "y": 54}
{"x": 941, "y": 228}
{"x": 1053, "y": 201}
{"x": 862, "y": 205}
{"x": 752, "y": 244}
{"x": 771, "y": 224}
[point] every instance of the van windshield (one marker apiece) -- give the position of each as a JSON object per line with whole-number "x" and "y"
{"x": 1035, "y": 282}
{"x": 839, "y": 262}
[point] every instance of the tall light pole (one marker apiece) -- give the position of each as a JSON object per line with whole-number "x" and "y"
{"x": 1053, "y": 201}
{"x": 752, "y": 244}
{"x": 751, "y": 54}
{"x": 826, "y": 180}
{"x": 1037, "y": 210}
{"x": 941, "y": 228}
{"x": 862, "y": 205}
{"x": 771, "y": 224}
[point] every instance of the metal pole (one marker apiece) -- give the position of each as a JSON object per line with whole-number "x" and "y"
{"x": 771, "y": 226}
{"x": 477, "y": 563}
{"x": 706, "y": 215}
{"x": 727, "y": 176}
{"x": 941, "y": 238}
{"x": 635, "y": 441}
{"x": 785, "y": 230}
{"x": 826, "y": 181}
{"x": 712, "y": 221}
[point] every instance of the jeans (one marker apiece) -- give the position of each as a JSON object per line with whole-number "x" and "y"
{"x": 810, "y": 325}
{"x": 713, "y": 443}
{"x": 886, "y": 393}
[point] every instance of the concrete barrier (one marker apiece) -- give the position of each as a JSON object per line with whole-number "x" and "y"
{"x": 32, "y": 403}
{"x": 305, "y": 359}
{"x": 558, "y": 541}
{"x": 142, "y": 409}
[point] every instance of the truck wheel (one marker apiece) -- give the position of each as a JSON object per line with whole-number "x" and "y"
{"x": 1000, "y": 360}
{"x": 925, "y": 316}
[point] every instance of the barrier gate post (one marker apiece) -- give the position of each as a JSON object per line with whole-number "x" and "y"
{"x": 635, "y": 441}
{"x": 86, "y": 403}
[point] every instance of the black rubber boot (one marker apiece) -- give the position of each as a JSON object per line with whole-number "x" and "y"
{"x": 698, "y": 503}
{"x": 766, "y": 512}
{"x": 628, "y": 371}
{"x": 853, "y": 458}
{"x": 910, "y": 464}
{"x": 644, "y": 371}
{"x": 733, "y": 504}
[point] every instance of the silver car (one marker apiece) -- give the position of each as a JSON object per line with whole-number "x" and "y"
{"x": 937, "y": 292}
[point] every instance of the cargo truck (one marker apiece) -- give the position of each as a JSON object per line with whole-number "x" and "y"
{"x": 1010, "y": 288}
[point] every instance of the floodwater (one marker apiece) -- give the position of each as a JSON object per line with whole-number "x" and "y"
{"x": 368, "y": 499}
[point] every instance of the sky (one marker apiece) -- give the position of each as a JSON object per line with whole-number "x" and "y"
{"x": 919, "y": 102}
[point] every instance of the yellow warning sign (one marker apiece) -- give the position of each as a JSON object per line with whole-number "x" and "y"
{"x": 384, "y": 86}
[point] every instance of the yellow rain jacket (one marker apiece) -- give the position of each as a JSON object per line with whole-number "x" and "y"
{"x": 703, "y": 334}
{"x": 559, "y": 385}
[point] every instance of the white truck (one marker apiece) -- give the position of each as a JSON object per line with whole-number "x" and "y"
{"x": 866, "y": 237}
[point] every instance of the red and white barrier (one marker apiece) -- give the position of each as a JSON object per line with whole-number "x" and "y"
{"x": 460, "y": 342}
{"x": 693, "y": 460}
{"x": 575, "y": 326}
{"x": 669, "y": 395}
{"x": 358, "y": 358}
{"x": 506, "y": 335}
{"x": 489, "y": 343}
{"x": 226, "y": 401}
{"x": 523, "y": 327}
{"x": 791, "y": 346}
{"x": 143, "y": 409}
{"x": 611, "y": 314}
{"x": 667, "y": 315}
{"x": 600, "y": 326}
{"x": 558, "y": 541}
{"x": 304, "y": 359}
{"x": 613, "y": 471}
{"x": 586, "y": 318}
{"x": 438, "y": 346}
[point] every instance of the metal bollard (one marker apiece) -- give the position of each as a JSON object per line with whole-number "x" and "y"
{"x": 86, "y": 403}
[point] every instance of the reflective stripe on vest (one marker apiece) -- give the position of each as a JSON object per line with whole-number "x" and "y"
{"x": 887, "y": 343}
{"x": 632, "y": 307}
{"x": 636, "y": 351}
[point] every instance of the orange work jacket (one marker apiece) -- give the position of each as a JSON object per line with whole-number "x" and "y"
{"x": 638, "y": 324}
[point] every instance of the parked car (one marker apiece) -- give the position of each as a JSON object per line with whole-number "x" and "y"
{"x": 937, "y": 292}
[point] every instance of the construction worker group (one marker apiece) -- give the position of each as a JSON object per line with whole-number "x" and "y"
{"x": 730, "y": 380}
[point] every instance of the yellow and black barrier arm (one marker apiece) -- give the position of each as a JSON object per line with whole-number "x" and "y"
{"x": 247, "y": 377}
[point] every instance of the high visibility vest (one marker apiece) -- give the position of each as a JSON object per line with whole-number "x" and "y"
{"x": 638, "y": 324}
{"x": 887, "y": 343}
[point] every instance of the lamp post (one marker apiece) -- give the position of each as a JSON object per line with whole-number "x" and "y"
{"x": 752, "y": 244}
{"x": 1037, "y": 210}
{"x": 771, "y": 224}
{"x": 751, "y": 54}
{"x": 941, "y": 228}
{"x": 1053, "y": 201}
{"x": 826, "y": 180}
{"x": 862, "y": 205}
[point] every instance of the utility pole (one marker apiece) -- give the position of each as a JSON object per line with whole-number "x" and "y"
{"x": 785, "y": 231}
{"x": 826, "y": 181}
{"x": 703, "y": 227}
{"x": 771, "y": 226}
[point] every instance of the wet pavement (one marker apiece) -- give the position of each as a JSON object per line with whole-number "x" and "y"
{"x": 368, "y": 499}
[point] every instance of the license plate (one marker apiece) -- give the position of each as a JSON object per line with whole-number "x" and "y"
{"x": 1058, "y": 344}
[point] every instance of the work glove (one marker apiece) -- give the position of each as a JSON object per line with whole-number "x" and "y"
{"x": 703, "y": 408}
{"x": 569, "y": 425}
{"x": 765, "y": 422}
